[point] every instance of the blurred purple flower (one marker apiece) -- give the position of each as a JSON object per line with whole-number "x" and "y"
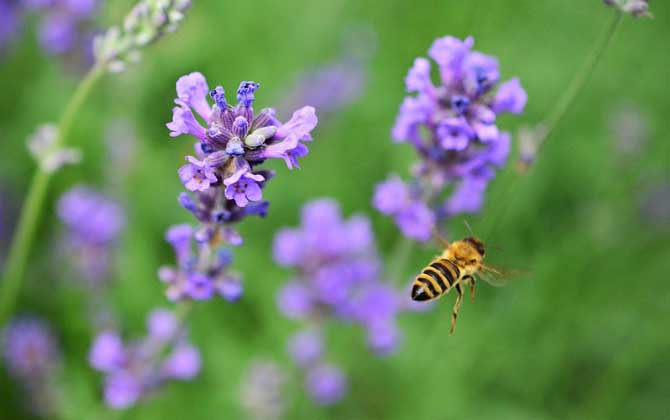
{"x": 10, "y": 22}
{"x": 326, "y": 384}
{"x": 337, "y": 280}
{"x": 135, "y": 369}
{"x": 32, "y": 357}
{"x": 65, "y": 25}
{"x": 452, "y": 127}
{"x": 93, "y": 224}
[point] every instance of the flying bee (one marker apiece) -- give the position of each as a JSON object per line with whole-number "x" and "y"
{"x": 455, "y": 268}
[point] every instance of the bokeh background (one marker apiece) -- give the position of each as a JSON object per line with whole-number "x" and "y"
{"x": 583, "y": 335}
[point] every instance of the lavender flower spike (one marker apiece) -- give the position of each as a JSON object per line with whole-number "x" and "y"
{"x": 452, "y": 126}
{"x": 136, "y": 369}
{"x": 336, "y": 280}
{"x": 32, "y": 358}
{"x": 232, "y": 142}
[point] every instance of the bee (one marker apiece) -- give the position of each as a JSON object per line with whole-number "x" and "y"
{"x": 455, "y": 268}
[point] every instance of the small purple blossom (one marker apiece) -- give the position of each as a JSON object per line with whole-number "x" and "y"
{"x": 32, "y": 358}
{"x": 93, "y": 224}
{"x": 197, "y": 175}
{"x": 452, "y": 125}
{"x": 135, "y": 369}
{"x": 326, "y": 384}
{"x": 202, "y": 269}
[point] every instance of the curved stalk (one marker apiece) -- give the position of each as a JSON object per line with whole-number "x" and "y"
{"x": 556, "y": 115}
{"x": 34, "y": 204}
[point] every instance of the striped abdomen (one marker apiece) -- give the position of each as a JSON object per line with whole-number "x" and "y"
{"x": 435, "y": 280}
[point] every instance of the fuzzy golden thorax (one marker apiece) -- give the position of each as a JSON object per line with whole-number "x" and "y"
{"x": 466, "y": 254}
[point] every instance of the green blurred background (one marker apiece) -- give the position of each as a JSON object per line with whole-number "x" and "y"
{"x": 584, "y": 335}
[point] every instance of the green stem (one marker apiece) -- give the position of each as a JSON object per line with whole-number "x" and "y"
{"x": 34, "y": 204}
{"x": 564, "y": 103}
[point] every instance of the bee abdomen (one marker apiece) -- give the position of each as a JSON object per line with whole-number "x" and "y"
{"x": 435, "y": 280}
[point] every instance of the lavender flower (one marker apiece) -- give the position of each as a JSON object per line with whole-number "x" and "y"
{"x": 227, "y": 186}
{"x": 65, "y": 25}
{"x": 636, "y": 8}
{"x": 93, "y": 224}
{"x": 261, "y": 392}
{"x": 9, "y": 22}
{"x": 223, "y": 178}
{"x": 202, "y": 270}
{"x": 337, "y": 280}
{"x": 339, "y": 83}
{"x": 326, "y": 384}
{"x": 146, "y": 23}
{"x": 136, "y": 369}
{"x": 32, "y": 358}
{"x": 452, "y": 127}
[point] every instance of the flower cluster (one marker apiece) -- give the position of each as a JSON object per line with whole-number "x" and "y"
{"x": 261, "y": 393}
{"x": 452, "y": 126}
{"x": 32, "y": 358}
{"x": 65, "y": 24}
{"x": 93, "y": 224}
{"x": 135, "y": 369}
{"x": 337, "y": 278}
{"x": 636, "y": 8}
{"x": 224, "y": 182}
{"x": 202, "y": 270}
{"x": 146, "y": 23}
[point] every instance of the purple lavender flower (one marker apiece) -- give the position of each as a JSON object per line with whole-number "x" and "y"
{"x": 9, "y": 21}
{"x": 135, "y": 369}
{"x": 452, "y": 127}
{"x": 93, "y": 223}
{"x": 339, "y": 83}
{"x": 337, "y": 280}
{"x": 202, "y": 270}
{"x": 261, "y": 393}
{"x": 326, "y": 384}
{"x": 232, "y": 143}
{"x": 32, "y": 358}
{"x": 65, "y": 25}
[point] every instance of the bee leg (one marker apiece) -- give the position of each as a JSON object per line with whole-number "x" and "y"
{"x": 457, "y": 305}
{"x": 472, "y": 289}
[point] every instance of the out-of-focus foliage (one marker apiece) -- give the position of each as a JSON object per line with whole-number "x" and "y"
{"x": 582, "y": 335}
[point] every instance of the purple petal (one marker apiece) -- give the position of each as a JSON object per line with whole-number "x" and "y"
{"x": 107, "y": 352}
{"x": 418, "y": 77}
{"x": 192, "y": 89}
{"x": 511, "y": 97}
{"x": 391, "y": 196}
{"x": 184, "y": 122}
{"x": 184, "y": 363}
{"x": 300, "y": 125}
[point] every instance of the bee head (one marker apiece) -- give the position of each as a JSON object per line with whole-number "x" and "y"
{"x": 476, "y": 244}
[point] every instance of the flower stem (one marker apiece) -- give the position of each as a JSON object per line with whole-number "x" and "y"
{"x": 34, "y": 204}
{"x": 556, "y": 115}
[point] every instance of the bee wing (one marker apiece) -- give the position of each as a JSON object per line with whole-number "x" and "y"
{"x": 498, "y": 277}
